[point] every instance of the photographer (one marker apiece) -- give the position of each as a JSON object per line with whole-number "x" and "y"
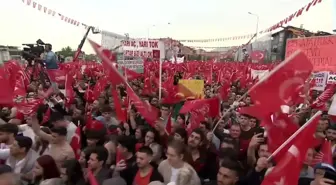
{"x": 50, "y": 58}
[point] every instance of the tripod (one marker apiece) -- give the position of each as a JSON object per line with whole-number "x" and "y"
{"x": 39, "y": 69}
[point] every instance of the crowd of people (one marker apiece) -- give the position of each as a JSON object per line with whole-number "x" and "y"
{"x": 87, "y": 141}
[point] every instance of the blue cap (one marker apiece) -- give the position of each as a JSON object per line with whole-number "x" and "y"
{"x": 324, "y": 166}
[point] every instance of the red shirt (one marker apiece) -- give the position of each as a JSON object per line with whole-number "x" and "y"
{"x": 138, "y": 180}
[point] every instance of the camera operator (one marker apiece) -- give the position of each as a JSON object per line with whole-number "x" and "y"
{"x": 50, "y": 58}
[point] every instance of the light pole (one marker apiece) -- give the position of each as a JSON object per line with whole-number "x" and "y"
{"x": 257, "y": 23}
{"x": 148, "y": 29}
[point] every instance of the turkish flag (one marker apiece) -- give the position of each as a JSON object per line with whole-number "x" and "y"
{"x": 279, "y": 86}
{"x": 28, "y": 108}
{"x": 69, "y": 92}
{"x": 278, "y": 130}
{"x": 156, "y": 54}
{"x": 287, "y": 170}
{"x": 76, "y": 142}
{"x": 209, "y": 107}
{"x": 117, "y": 105}
{"x": 115, "y": 77}
{"x": 325, "y": 155}
{"x": 56, "y": 75}
{"x": 149, "y": 112}
{"x": 130, "y": 74}
{"x": 257, "y": 55}
{"x": 320, "y": 102}
{"x": 99, "y": 87}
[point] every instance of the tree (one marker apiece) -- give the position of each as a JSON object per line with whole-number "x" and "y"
{"x": 67, "y": 52}
{"x": 90, "y": 57}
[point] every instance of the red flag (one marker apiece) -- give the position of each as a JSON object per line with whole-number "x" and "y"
{"x": 278, "y": 130}
{"x": 169, "y": 125}
{"x": 287, "y": 170}
{"x": 99, "y": 87}
{"x": 149, "y": 112}
{"x": 92, "y": 178}
{"x": 115, "y": 77}
{"x": 28, "y": 108}
{"x": 117, "y": 105}
{"x": 280, "y": 85}
{"x": 258, "y": 55}
{"x": 76, "y": 142}
{"x": 309, "y": 127}
{"x": 56, "y": 75}
{"x": 6, "y": 94}
{"x": 69, "y": 92}
{"x": 209, "y": 106}
{"x": 46, "y": 116}
{"x": 325, "y": 155}
{"x": 130, "y": 74}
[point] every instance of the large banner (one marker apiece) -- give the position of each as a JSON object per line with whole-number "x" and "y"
{"x": 144, "y": 48}
{"x": 320, "y": 51}
{"x": 136, "y": 64}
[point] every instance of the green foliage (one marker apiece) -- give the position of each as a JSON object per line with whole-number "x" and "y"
{"x": 67, "y": 52}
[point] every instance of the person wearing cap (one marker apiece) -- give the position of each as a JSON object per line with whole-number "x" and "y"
{"x": 319, "y": 173}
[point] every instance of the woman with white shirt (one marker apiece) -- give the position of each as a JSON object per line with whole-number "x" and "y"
{"x": 171, "y": 167}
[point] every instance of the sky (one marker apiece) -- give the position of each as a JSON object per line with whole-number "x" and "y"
{"x": 189, "y": 19}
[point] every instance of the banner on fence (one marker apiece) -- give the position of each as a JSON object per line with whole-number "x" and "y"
{"x": 320, "y": 51}
{"x": 144, "y": 48}
{"x": 136, "y": 65}
{"x": 320, "y": 80}
{"x": 331, "y": 78}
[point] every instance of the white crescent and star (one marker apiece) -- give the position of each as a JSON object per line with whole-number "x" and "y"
{"x": 260, "y": 55}
{"x": 287, "y": 84}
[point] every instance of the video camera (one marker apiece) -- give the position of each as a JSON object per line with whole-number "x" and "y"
{"x": 33, "y": 51}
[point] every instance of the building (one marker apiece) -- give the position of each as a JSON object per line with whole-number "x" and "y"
{"x": 9, "y": 53}
{"x": 279, "y": 40}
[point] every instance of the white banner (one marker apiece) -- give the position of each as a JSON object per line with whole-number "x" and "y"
{"x": 144, "y": 48}
{"x": 331, "y": 78}
{"x": 135, "y": 65}
{"x": 111, "y": 40}
{"x": 259, "y": 73}
{"x": 320, "y": 80}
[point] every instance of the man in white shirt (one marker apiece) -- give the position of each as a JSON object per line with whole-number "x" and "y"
{"x": 58, "y": 120}
{"x": 8, "y": 133}
{"x": 22, "y": 158}
{"x": 27, "y": 130}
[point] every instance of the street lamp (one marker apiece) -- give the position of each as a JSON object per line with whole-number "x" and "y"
{"x": 257, "y": 23}
{"x": 148, "y": 29}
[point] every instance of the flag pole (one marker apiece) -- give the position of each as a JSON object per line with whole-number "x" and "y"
{"x": 160, "y": 79}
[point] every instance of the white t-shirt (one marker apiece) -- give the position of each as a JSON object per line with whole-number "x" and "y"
{"x": 175, "y": 172}
{"x": 28, "y": 132}
{"x": 71, "y": 129}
